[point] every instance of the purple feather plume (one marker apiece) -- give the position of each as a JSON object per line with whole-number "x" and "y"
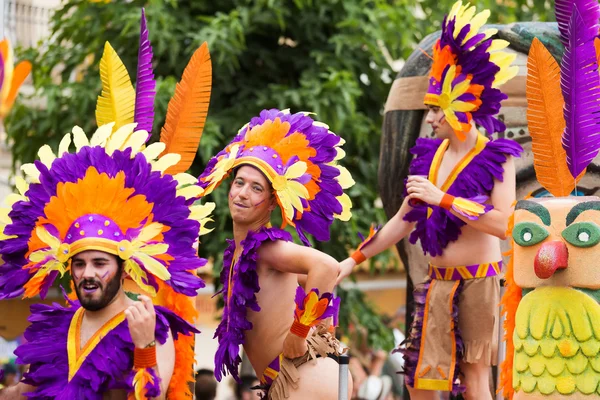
{"x": 580, "y": 85}
{"x": 588, "y": 9}
{"x": 145, "y": 88}
{"x": 1, "y": 71}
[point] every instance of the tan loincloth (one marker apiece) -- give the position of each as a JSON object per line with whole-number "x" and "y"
{"x": 282, "y": 373}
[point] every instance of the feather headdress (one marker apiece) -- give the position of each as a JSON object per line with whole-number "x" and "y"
{"x": 468, "y": 66}
{"x": 563, "y": 113}
{"x": 299, "y": 156}
{"x": 187, "y": 110}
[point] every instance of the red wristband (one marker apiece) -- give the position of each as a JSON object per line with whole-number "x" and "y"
{"x": 299, "y": 329}
{"x": 447, "y": 201}
{"x": 144, "y": 358}
{"x": 358, "y": 257}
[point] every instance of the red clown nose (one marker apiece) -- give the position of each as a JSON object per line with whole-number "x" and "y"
{"x": 550, "y": 257}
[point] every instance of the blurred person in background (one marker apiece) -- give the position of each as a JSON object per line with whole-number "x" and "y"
{"x": 206, "y": 385}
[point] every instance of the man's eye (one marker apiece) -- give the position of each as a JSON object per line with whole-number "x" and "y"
{"x": 257, "y": 188}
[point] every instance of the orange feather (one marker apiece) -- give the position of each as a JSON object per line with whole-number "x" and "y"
{"x": 187, "y": 110}
{"x": 510, "y": 302}
{"x": 546, "y": 122}
{"x": 183, "y": 374}
{"x": 597, "y": 47}
{"x": 19, "y": 74}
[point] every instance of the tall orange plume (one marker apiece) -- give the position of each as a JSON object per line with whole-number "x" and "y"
{"x": 510, "y": 303}
{"x": 187, "y": 110}
{"x": 19, "y": 75}
{"x": 546, "y": 122}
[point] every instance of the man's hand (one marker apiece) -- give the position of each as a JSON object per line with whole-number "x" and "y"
{"x": 346, "y": 268}
{"x": 422, "y": 189}
{"x": 141, "y": 318}
{"x": 294, "y": 346}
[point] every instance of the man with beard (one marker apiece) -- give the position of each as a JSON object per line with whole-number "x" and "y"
{"x": 459, "y": 196}
{"x": 290, "y": 160}
{"x": 103, "y": 216}
{"x": 107, "y": 212}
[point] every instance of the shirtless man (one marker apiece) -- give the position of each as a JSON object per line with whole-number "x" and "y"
{"x": 460, "y": 193}
{"x": 294, "y": 358}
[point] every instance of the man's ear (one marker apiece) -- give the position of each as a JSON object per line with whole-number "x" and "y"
{"x": 272, "y": 202}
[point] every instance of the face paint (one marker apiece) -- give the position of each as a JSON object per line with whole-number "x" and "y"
{"x": 95, "y": 293}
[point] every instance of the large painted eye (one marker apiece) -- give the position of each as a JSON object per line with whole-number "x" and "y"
{"x": 529, "y": 234}
{"x": 582, "y": 234}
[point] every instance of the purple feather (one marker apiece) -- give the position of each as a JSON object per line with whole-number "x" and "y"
{"x": 589, "y": 10}
{"x": 1, "y": 71}
{"x": 580, "y": 85}
{"x": 439, "y": 229}
{"x": 145, "y": 89}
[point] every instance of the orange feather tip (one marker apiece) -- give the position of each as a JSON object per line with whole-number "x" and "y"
{"x": 546, "y": 122}
{"x": 187, "y": 110}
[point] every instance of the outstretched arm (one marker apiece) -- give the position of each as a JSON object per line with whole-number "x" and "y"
{"x": 493, "y": 222}
{"x": 395, "y": 230}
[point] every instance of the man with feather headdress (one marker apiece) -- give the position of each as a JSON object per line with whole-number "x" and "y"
{"x": 114, "y": 212}
{"x": 291, "y": 161}
{"x": 459, "y": 196}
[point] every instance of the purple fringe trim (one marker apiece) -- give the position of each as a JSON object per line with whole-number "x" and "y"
{"x": 106, "y": 367}
{"x": 234, "y": 323}
{"x": 411, "y": 346}
{"x": 443, "y": 227}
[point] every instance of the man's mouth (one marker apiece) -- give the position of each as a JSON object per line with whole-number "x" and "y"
{"x": 240, "y": 205}
{"x": 90, "y": 288}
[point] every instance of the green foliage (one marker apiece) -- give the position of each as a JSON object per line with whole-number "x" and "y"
{"x": 324, "y": 56}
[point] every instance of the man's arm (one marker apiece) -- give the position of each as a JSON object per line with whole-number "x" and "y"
{"x": 141, "y": 317}
{"x": 320, "y": 269}
{"x": 16, "y": 392}
{"x": 165, "y": 355}
{"x": 495, "y": 221}
{"x": 395, "y": 230}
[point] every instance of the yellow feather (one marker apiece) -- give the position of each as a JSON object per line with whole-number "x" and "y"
{"x": 79, "y": 138}
{"x": 46, "y": 155}
{"x": 165, "y": 162}
{"x": 117, "y": 101}
{"x": 101, "y": 135}
{"x": 31, "y": 172}
{"x": 63, "y": 146}
{"x": 151, "y": 152}
{"x": 189, "y": 191}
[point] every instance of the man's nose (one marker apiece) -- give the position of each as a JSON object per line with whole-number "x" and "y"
{"x": 429, "y": 117}
{"x": 88, "y": 272}
{"x": 243, "y": 192}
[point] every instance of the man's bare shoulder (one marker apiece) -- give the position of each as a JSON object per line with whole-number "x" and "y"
{"x": 16, "y": 392}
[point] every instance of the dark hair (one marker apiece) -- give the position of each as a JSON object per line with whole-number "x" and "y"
{"x": 206, "y": 385}
{"x": 246, "y": 385}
